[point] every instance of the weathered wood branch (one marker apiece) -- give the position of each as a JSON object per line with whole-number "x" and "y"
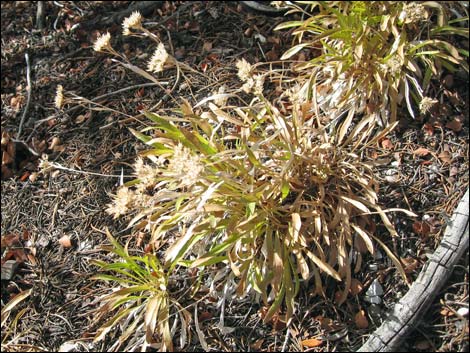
{"x": 41, "y": 15}
{"x": 408, "y": 311}
{"x": 144, "y": 7}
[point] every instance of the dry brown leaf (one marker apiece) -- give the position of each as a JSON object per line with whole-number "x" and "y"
{"x": 326, "y": 323}
{"x": 445, "y": 156}
{"x": 256, "y": 346}
{"x": 423, "y": 345}
{"x": 80, "y": 119}
{"x": 421, "y": 152}
{"x": 387, "y": 144}
{"x": 455, "y": 125}
{"x": 446, "y": 312}
{"x": 65, "y": 241}
{"x": 54, "y": 143}
{"x": 10, "y": 240}
{"x": 5, "y": 138}
{"x": 360, "y": 320}
{"x": 428, "y": 129}
{"x": 453, "y": 171}
{"x": 312, "y": 342}
{"x": 421, "y": 228}
{"x": 356, "y": 286}
{"x": 409, "y": 264}
{"x": 207, "y": 46}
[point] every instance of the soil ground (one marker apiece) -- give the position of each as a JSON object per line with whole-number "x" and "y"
{"x": 430, "y": 177}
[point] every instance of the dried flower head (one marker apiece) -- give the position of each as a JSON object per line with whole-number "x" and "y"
{"x": 44, "y": 164}
{"x": 248, "y": 85}
{"x": 295, "y": 94}
{"x": 159, "y": 57}
{"x": 278, "y": 4}
{"x": 222, "y": 100}
{"x": 102, "y": 42}
{"x": 426, "y": 104}
{"x": 394, "y": 65}
{"x": 133, "y": 21}
{"x": 185, "y": 166}
{"x": 59, "y": 97}
{"x": 244, "y": 70}
{"x": 413, "y": 12}
{"x": 259, "y": 84}
{"x": 145, "y": 173}
{"x": 121, "y": 203}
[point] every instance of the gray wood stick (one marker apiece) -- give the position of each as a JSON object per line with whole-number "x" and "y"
{"x": 407, "y": 312}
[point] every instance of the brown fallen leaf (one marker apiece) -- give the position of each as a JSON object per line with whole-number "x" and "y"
{"x": 207, "y": 46}
{"x": 360, "y": 320}
{"x": 5, "y": 138}
{"x": 356, "y": 286}
{"x": 65, "y": 241}
{"x": 446, "y": 312}
{"x": 327, "y": 324}
{"x": 409, "y": 264}
{"x": 10, "y": 240}
{"x": 421, "y": 152}
{"x": 421, "y": 228}
{"x": 445, "y": 157}
{"x": 387, "y": 144}
{"x": 428, "y": 129}
{"x": 423, "y": 345}
{"x": 256, "y": 346}
{"x": 455, "y": 125}
{"x": 312, "y": 342}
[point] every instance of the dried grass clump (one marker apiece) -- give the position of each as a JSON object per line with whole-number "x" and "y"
{"x": 269, "y": 197}
{"x": 265, "y": 194}
{"x": 374, "y": 57}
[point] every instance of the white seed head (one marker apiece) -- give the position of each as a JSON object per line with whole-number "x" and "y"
{"x": 244, "y": 70}
{"x": 159, "y": 57}
{"x": 59, "y": 97}
{"x": 133, "y": 21}
{"x": 185, "y": 166}
{"x": 426, "y": 104}
{"x": 259, "y": 85}
{"x": 102, "y": 42}
{"x": 121, "y": 203}
{"x": 413, "y": 12}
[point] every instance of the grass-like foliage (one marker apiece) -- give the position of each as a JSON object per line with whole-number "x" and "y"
{"x": 371, "y": 57}
{"x": 140, "y": 303}
{"x": 266, "y": 194}
{"x": 270, "y": 196}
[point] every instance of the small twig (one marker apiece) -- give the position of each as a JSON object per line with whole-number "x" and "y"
{"x": 52, "y": 165}
{"x": 40, "y": 15}
{"x": 101, "y": 97}
{"x": 28, "y": 90}
{"x": 284, "y": 346}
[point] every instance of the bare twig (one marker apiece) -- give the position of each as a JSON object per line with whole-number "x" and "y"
{"x": 101, "y": 97}
{"x": 40, "y": 15}
{"x": 28, "y": 90}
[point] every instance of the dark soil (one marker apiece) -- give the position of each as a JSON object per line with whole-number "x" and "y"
{"x": 425, "y": 169}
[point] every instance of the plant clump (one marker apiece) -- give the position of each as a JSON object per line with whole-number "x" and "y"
{"x": 270, "y": 199}
{"x": 373, "y": 57}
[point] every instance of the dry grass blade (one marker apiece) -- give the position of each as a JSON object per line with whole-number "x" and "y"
{"x": 6, "y": 310}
